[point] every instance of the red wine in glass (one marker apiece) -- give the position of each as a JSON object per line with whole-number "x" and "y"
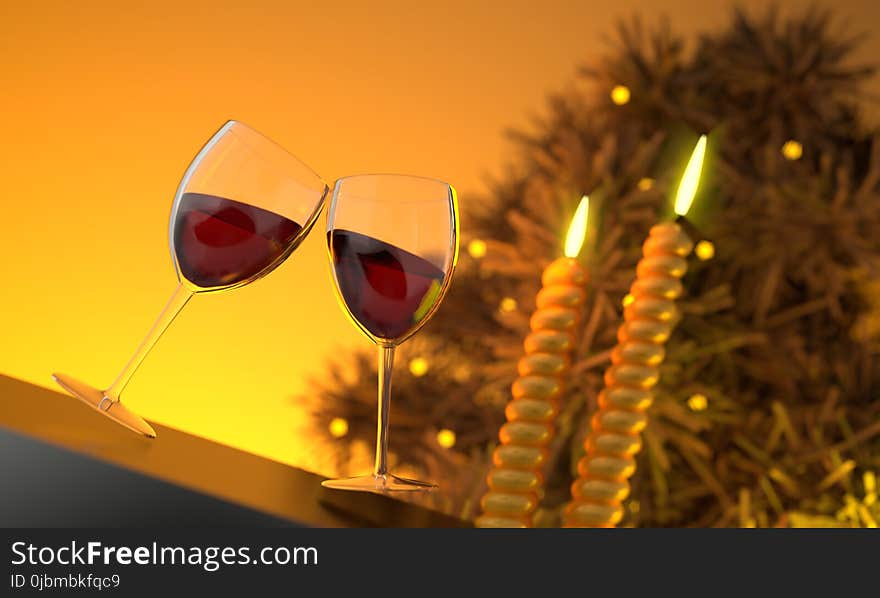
{"x": 220, "y": 242}
{"x": 387, "y": 290}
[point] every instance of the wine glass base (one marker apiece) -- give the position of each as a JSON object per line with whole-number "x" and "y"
{"x": 96, "y": 399}
{"x": 379, "y": 484}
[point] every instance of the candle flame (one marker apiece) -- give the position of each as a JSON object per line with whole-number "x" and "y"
{"x": 690, "y": 180}
{"x": 577, "y": 230}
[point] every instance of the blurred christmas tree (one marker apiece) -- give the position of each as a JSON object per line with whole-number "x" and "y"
{"x": 767, "y": 412}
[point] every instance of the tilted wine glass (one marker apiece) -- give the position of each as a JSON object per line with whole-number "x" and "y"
{"x": 242, "y": 207}
{"x": 393, "y": 243}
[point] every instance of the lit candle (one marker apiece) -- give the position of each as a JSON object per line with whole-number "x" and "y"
{"x": 516, "y": 480}
{"x": 650, "y": 314}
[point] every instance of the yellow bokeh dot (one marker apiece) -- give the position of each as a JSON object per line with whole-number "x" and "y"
{"x": 446, "y": 438}
{"x": 477, "y": 248}
{"x": 698, "y": 402}
{"x": 508, "y": 304}
{"x": 338, "y": 427}
{"x": 705, "y": 250}
{"x": 418, "y": 366}
{"x": 792, "y": 150}
{"x": 645, "y": 184}
{"x": 620, "y": 95}
{"x": 628, "y": 300}
{"x": 634, "y": 506}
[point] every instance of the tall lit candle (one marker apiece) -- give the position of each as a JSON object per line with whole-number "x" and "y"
{"x": 650, "y": 314}
{"x": 516, "y": 480}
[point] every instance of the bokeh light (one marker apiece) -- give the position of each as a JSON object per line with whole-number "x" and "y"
{"x": 508, "y": 304}
{"x": 477, "y": 248}
{"x": 338, "y": 427}
{"x": 418, "y": 366}
{"x": 698, "y": 402}
{"x": 446, "y": 438}
{"x": 792, "y": 150}
{"x": 705, "y": 250}
{"x": 620, "y": 95}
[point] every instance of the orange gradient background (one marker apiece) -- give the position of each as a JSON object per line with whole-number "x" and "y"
{"x": 104, "y": 104}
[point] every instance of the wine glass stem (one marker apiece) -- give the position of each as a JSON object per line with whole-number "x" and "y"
{"x": 178, "y": 299}
{"x": 386, "y": 360}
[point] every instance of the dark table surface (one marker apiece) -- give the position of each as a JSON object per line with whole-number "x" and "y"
{"x": 62, "y": 464}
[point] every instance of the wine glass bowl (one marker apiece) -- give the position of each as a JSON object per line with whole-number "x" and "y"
{"x": 243, "y": 206}
{"x": 393, "y": 245}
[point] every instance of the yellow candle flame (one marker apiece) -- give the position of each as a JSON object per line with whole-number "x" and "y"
{"x": 577, "y": 230}
{"x": 690, "y": 180}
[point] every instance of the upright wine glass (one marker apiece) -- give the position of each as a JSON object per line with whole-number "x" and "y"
{"x": 393, "y": 243}
{"x": 243, "y": 205}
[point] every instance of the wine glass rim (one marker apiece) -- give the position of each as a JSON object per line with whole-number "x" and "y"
{"x": 390, "y": 175}
{"x": 229, "y": 124}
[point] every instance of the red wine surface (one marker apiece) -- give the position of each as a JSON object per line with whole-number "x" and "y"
{"x": 388, "y": 290}
{"x": 220, "y": 242}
